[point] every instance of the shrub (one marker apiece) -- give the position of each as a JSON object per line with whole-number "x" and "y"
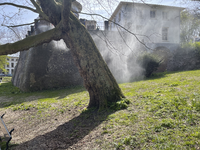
{"x": 149, "y": 62}
{"x": 188, "y": 45}
{"x": 186, "y": 57}
{"x": 197, "y": 48}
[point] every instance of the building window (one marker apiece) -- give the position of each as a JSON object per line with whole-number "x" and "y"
{"x": 12, "y": 59}
{"x": 7, "y": 70}
{"x": 7, "y": 65}
{"x": 165, "y": 15}
{"x": 7, "y": 59}
{"x": 119, "y": 19}
{"x": 12, "y": 65}
{"x": 16, "y": 59}
{"x": 152, "y": 14}
{"x": 12, "y": 71}
{"x": 164, "y": 34}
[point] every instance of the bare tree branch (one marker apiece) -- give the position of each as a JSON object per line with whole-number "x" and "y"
{"x": 20, "y": 6}
{"x": 15, "y": 33}
{"x": 32, "y": 41}
{"x": 17, "y": 25}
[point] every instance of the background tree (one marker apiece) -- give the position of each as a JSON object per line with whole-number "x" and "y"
{"x": 98, "y": 79}
{"x": 3, "y": 62}
{"x": 3, "y": 58}
{"x": 190, "y": 26}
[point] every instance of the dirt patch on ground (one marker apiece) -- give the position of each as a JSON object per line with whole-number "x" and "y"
{"x": 70, "y": 130}
{"x": 50, "y": 130}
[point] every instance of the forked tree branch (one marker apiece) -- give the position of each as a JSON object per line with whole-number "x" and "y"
{"x": 51, "y": 8}
{"x": 39, "y": 10}
{"x": 66, "y": 13}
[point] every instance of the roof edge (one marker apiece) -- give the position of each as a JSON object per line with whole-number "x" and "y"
{"x": 123, "y": 2}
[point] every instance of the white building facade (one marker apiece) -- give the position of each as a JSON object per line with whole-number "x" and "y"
{"x": 151, "y": 23}
{"x": 12, "y": 62}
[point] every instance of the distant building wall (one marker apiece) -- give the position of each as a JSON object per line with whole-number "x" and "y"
{"x": 151, "y": 23}
{"x": 12, "y": 62}
{"x": 89, "y": 24}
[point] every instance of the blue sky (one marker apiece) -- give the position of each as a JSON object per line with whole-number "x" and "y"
{"x": 164, "y": 2}
{"x": 29, "y": 16}
{"x": 180, "y": 3}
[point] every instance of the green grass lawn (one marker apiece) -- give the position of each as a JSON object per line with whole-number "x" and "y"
{"x": 164, "y": 113}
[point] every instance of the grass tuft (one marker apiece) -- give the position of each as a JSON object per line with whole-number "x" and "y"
{"x": 122, "y": 104}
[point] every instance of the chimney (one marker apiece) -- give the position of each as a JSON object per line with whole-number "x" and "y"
{"x": 32, "y": 29}
{"x": 106, "y": 23}
{"x": 29, "y": 33}
{"x": 36, "y": 23}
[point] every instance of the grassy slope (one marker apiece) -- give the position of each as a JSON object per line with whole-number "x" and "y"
{"x": 164, "y": 114}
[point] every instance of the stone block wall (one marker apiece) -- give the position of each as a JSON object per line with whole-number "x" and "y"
{"x": 47, "y": 66}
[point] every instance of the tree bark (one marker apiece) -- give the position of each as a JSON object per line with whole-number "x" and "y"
{"x": 98, "y": 80}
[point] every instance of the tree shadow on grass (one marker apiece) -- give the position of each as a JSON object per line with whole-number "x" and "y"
{"x": 11, "y": 95}
{"x": 67, "y": 134}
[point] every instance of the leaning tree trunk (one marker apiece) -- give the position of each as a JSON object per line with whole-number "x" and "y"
{"x": 98, "y": 79}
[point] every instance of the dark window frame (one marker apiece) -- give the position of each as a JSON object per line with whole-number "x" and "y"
{"x": 165, "y": 33}
{"x": 152, "y": 14}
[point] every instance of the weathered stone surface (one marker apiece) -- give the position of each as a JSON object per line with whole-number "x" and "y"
{"x": 45, "y": 67}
